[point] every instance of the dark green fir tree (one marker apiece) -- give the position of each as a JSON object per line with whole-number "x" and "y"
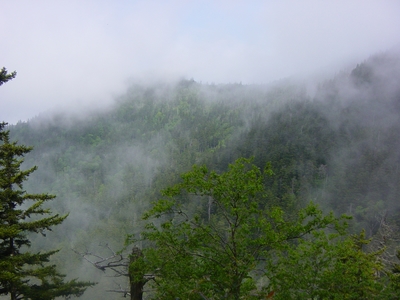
{"x": 26, "y": 275}
{"x": 5, "y": 76}
{"x": 23, "y": 274}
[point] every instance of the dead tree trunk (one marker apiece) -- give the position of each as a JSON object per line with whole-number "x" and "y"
{"x": 136, "y": 284}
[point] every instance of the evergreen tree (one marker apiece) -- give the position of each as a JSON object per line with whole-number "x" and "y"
{"x": 25, "y": 275}
{"x": 4, "y": 76}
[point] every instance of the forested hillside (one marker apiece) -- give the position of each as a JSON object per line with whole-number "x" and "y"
{"x": 338, "y": 147}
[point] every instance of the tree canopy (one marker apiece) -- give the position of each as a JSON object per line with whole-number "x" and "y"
{"x": 338, "y": 147}
{"x": 210, "y": 237}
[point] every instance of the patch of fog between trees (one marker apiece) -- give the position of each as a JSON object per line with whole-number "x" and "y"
{"x": 124, "y": 161}
{"x": 87, "y": 226}
{"x": 367, "y": 115}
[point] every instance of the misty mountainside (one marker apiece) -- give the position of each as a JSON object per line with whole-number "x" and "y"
{"x": 339, "y": 147}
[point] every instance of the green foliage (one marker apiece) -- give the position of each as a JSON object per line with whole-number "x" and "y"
{"x": 325, "y": 266}
{"x": 339, "y": 148}
{"x": 392, "y": 290}
{"x": 220, "y": 243}
{"x": 5, "y": 76}
{"x": 25, "y": 275}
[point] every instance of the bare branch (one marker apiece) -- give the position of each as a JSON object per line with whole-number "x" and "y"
{"x": 121, "y": 290}
{"x": 112, "y": 262}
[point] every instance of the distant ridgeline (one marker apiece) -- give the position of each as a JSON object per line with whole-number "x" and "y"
{"x": 339, "y": 147}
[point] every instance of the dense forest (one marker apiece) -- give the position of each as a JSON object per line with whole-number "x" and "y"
{"x": 336, "y": 148}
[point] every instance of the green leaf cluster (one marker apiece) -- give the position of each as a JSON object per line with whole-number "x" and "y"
{"x": 329, "y": 267}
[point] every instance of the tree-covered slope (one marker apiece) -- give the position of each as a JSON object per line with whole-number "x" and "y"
{"x": 338, "y": 147}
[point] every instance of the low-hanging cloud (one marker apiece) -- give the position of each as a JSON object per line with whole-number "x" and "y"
{"x": 77, "y": 54}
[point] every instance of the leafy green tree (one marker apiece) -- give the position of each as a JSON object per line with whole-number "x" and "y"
{"x": 211, "y": 239}
{"x": 325, "y": 266}
{"x": 355, "y": 271}
{"x": 25, "y": 275}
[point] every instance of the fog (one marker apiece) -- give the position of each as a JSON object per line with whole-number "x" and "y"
{"x": 74, "y": 54}
{"x": 109, "y": 58}
{"x": 340, "y": 142}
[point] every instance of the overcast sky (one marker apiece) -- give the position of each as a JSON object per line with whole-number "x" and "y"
{"x": 75, "y": 53}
